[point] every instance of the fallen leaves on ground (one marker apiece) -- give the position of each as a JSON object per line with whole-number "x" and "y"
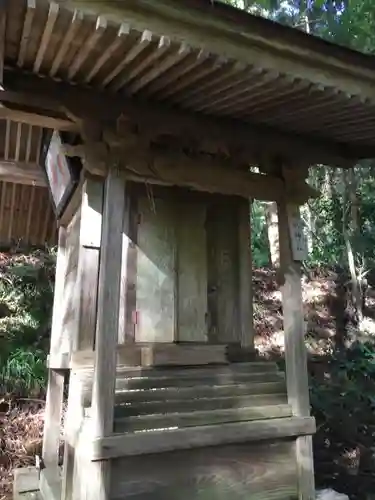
{"x": 21, "y": 430}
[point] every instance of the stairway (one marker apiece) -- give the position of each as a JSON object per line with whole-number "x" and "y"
{"x": 170, "y": 398}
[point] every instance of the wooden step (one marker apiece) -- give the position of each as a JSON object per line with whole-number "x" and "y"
{"x": 198, "y": 418}
{"x": 201, "y": 391}
{"x": 189, "y": 371}
{"x": 161, "y": 384}
{"x": 146, "y": 382}
{"x": 128, "y": 409}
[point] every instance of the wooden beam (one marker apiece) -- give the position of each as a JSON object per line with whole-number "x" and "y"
{"x": 245, "y": 275}
{"x": 39, "y": 119}
{"x": 47, "y": 33}
{"x": 210, "y": 176}
{"x": 108, "y": 304}
{"x": 123, "y": 32}
{"x": 26, "y": 31}
{"x": 71, "y": 32}
{"x": 295, "y": 350}
{"x": 55, "y": 389}
{"x": 52, "y": 418}
{"x": 22, "y": 173}
{"x": 199, "y": 172}
{"x": 87, "y": 47}
{"x": 244, "y": 141}
{"x": 207, "y": 435}
{"x": 103, "y": 395}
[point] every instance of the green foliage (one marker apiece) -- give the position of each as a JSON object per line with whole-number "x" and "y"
{"x": 24, "y": 372}
{"x": 26, "y": 297}
{"x": 343, "y": 403}
{"x": 259, "y": 241}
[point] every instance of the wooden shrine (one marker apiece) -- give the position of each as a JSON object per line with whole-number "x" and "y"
{"x": 160, "y": 122}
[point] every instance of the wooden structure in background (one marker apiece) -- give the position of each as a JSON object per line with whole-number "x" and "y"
{"x": 169, "y": 105}
{"x": 26, "y": 215}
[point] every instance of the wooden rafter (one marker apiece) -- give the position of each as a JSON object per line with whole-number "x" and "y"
{"x": 244, "y": 38}
{"x": 243, "y": 140}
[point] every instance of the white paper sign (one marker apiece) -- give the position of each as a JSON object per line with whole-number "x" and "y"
{"x": 297, "y": 235}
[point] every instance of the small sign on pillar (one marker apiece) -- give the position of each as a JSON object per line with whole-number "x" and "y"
{"x": 297, "y": 234}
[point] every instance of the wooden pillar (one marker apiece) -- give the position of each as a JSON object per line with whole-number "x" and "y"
{"x": 107, "y": 323}
{"x": 88, "y": 261}
{"x": 55, "y": 388}
{"x": 245, "y": 275}
{"x": 124, "y": 333}
{"x": 295, "y": 349}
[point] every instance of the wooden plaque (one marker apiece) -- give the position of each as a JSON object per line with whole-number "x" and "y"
{"x": 62, "y": 173}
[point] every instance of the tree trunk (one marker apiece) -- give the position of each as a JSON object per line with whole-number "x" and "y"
{"x": 273, "y": 233}
{"x": 350, "y": 230}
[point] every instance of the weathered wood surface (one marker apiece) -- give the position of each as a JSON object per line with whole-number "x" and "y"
{"x": 245, "y": 265}
{"x": 182, "y": 355}
{"x": 53, "y": 418}
{"x": 191, "y": 272}
{"x": 223, "y": 261}
{"x": 242, "y": 136}
{"x": 295, "y": 351}
{"x": 164, "y": 384}
{"x": 159, "y": 354}
{"x": 106, "y": 337}
{"x": 240, "y": 472}
{"x": 196, "y": 417}
{"x": 175, "y": 398}
{"x": 124, "y": 333}
{"x": 142, "y": 443}
{"x": 88, "y": 283}
{"x": 199, "y": 172}
{"x": 108, "y": 304}
{"x": 125, "y": 408}
{"x": 72, "y": 427}
{"x": 88, "y": 265}
{"x": 58, "y": 343}
{"x": 156, "y": 301}
{"x": 70, "y": 303}
{"x": 50, "y": 484}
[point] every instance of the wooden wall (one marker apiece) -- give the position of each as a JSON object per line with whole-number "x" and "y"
{"x": 223, "y": 270}
{"x": 156, "y": 264}
{"x": 26, "y": 216}
{"x": 183, "y": 278}
{"x": 65, "y": 312}
{"x": 70, "y": 294}
{"x": 239, "y": 472}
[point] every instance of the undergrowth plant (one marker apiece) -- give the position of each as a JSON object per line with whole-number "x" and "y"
{"x": 26, "y": 297}
{"x": 343, "y": 403}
